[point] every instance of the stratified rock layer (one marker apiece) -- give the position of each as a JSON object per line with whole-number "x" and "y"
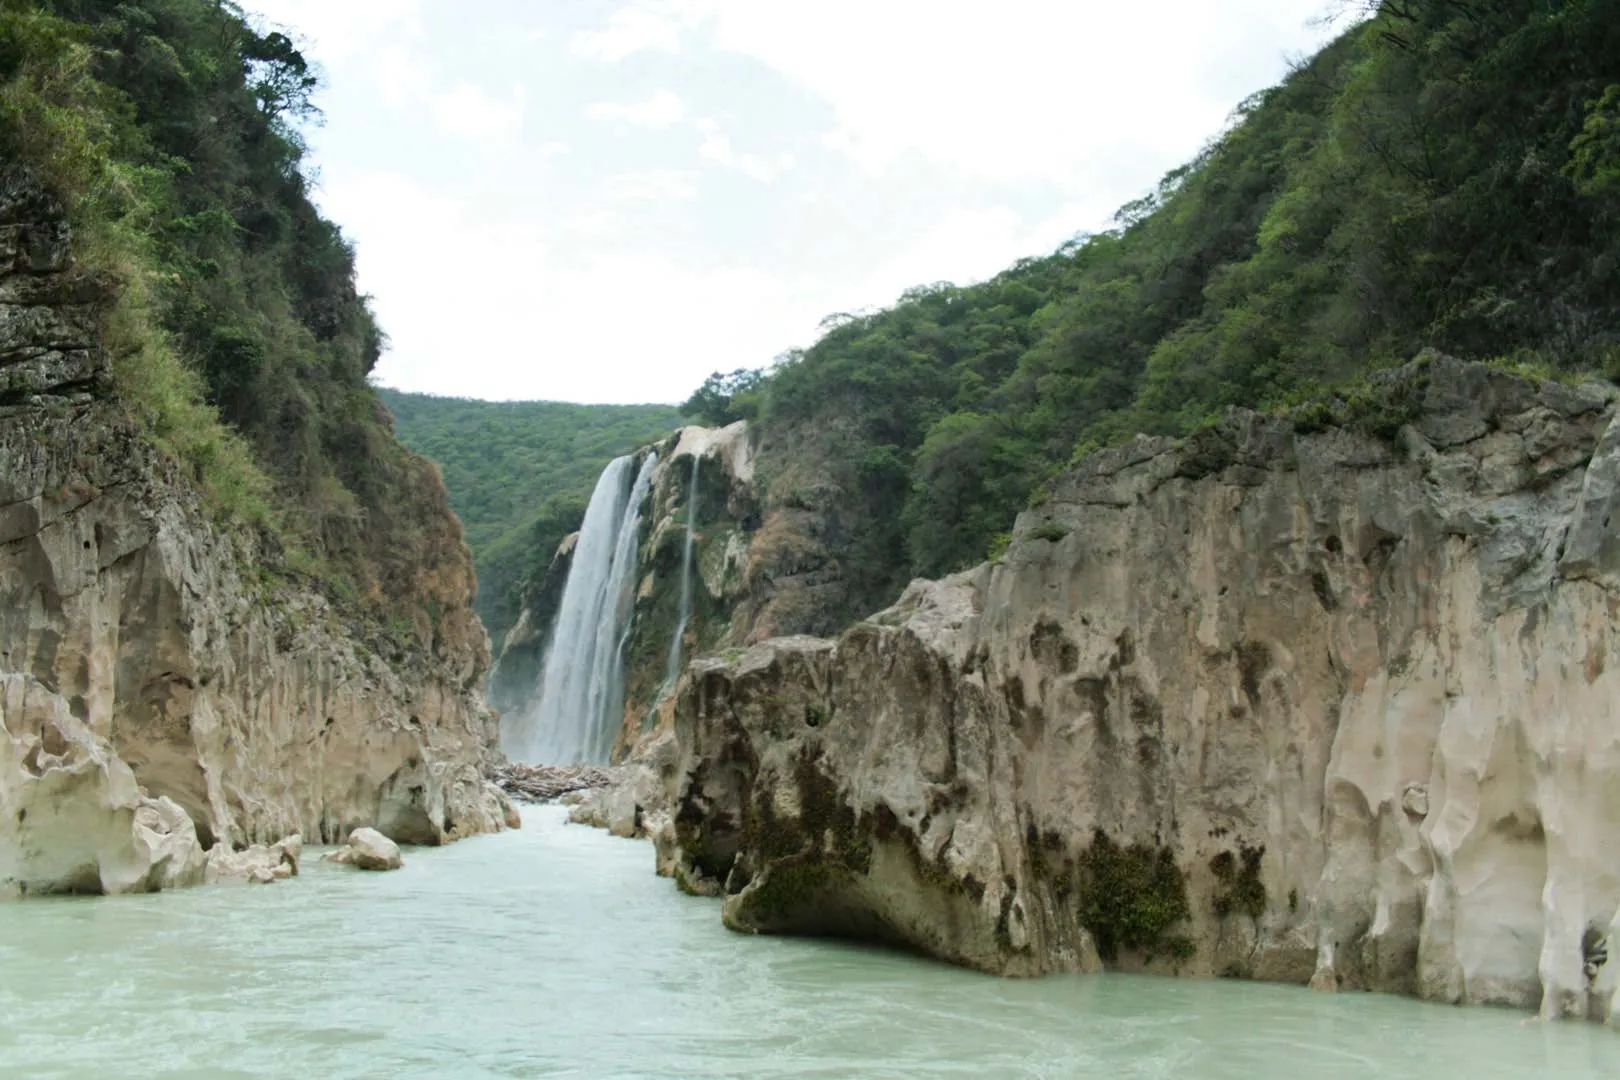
{"x": 248, "y": 701}
{"x": 1299, "y": 707}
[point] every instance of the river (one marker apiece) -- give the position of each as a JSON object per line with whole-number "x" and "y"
{"x": 555, "y": 952}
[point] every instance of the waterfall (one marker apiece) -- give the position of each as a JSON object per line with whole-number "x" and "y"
{"x": 582, "y": 688}
{"x": 672, "y": 669}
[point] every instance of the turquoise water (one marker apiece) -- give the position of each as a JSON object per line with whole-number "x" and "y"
{"x": 555, "y": 952}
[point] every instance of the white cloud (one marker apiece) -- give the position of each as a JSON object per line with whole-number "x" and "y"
{"x": 471, "y": 112}
{"x": 655, "y": 187}
{"x": 632, "y": 29}
{"x": 659, "y": 110}
{"x": 717, "y": 148}
{"x": 400, "y": 76}
{"x": 509, "y": 314}
{"x": 339, "y": 30}
{"x": 608, "y": 257}
{"x": 1025, "y": 89}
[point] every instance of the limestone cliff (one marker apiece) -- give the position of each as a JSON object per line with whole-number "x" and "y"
{"x": 190, "y": 656}
{"x": 1296, "y": 705}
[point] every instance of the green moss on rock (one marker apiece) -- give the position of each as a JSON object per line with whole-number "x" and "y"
{"x": 1130, "y": 898}
{"x": 1241, "y": 891}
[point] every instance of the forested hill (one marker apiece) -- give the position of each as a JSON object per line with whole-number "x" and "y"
{"x": 519, "y": 474}
{"x": 1446, "y": 174}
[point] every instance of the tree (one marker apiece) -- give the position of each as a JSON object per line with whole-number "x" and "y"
{"x": 279, "y": 76}
{"x": 726, "y": 398}
{"x": 1595, "y": 153}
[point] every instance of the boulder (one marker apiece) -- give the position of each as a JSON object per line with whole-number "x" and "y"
{"x": 258, "y": 864}
{"x": 369, "y": 850}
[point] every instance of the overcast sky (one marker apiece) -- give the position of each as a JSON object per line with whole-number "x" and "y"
{"x": 605, "y": 200}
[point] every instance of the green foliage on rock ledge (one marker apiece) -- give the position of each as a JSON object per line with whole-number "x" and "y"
{"x": 1240, "y": 891}
{"x": 519, "y": 475}
{"x": 238, "y": 341}
{"x": 1131, "y": 898}
{"x": 1443, "y": 175}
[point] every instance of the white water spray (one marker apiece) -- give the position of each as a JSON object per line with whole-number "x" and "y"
{"x": 582, "y": 689}
{"x": 672, "y": 669}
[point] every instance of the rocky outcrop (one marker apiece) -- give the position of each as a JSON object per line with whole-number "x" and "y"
{"x": 368, "y": 849}
{"x": 725, "y": 521}
{"x": 72, "y": 818}
{"x": 193, "y": 660}
{"x": 1304, "y": 706}
{"x": 634, "y": 801}
{"x": 258, "y": 864}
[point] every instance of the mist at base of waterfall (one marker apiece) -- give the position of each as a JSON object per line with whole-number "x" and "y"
{"x": 555, "y": 952}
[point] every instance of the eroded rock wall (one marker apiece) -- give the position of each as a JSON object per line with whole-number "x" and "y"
{"x": 246, "y": 699}
{"x": 1308, "y": 707}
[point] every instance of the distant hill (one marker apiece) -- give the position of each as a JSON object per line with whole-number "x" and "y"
{"x": 519, "y": 474}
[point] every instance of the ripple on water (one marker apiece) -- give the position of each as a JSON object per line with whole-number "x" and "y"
{"x": 554, "y": 952}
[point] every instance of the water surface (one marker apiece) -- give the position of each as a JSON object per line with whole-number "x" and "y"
{"x": 555, "y": 952}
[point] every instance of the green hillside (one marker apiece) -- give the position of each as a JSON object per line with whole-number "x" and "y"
{"x": 1445, "y": 174}
{"x": 519, "y": 474}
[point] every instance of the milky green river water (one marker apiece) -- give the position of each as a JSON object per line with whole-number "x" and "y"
{"x": 555, "y": 952}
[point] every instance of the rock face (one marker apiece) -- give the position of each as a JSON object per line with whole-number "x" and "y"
{"x": 369, "y": 850}
{"x": 249, "y": 702}
{"x": 1306, "y": 707}
{"x": 72, "y": 818}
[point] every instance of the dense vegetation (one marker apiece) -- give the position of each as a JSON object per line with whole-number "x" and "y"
{"x": 239, "y": 344}
{"x": 519, "y": 475}
{"x": 1445, "y": 174}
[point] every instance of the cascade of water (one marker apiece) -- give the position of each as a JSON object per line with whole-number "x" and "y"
{"x": 582, "y": 689}
{"x": 672, "y": 669}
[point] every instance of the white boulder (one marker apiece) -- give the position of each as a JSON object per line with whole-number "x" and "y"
{"x": 369, "y": 850}
{"x": 260, "y": 864}
{"x": 72, "y": 817}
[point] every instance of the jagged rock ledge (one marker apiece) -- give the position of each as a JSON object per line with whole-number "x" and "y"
{"x": 1300, "y": 705}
